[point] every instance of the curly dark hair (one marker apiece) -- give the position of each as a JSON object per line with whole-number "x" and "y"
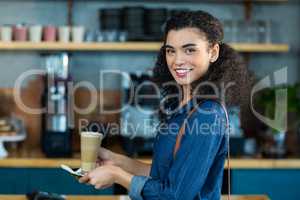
{"x": 228, "y": 68}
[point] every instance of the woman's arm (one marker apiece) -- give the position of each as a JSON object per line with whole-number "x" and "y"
{"x": 114, "y": 168}
{"x": 132, "y": 166}
{"x": 135, "y": 167}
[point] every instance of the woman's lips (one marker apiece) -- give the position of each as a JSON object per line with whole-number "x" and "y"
{"x": 182, "y": 73}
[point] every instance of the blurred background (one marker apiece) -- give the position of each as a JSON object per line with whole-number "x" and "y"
{"x": 65, "y": 52}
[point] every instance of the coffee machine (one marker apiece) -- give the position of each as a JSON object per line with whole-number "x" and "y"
{"x": 57, "y": 124}
{"x": 138, "y": 117}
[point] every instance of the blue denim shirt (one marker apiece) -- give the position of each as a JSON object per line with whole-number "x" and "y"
{"x": 196, "y": 172}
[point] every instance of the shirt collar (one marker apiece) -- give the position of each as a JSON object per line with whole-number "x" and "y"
{"x": 183, "y": 109}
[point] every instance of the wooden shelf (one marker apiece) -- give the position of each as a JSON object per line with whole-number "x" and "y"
{"x": 126, "y": 46}
{"x": 100, "y": 46}
{"x": 260, "y": 48}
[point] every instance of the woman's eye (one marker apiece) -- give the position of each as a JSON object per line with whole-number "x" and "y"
{"x": 170, "y": 51}
{"x": 189, "y": 51}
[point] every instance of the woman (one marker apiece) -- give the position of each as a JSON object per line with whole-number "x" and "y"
{"x": 194, "y": 69}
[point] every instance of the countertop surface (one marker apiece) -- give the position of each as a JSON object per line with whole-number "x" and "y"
{"x": 87, "y": 197}
{"x": 35, "y": 159}
{"x": 73, "y": 162}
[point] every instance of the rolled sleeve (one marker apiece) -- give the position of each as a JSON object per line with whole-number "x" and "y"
{"x": 136, "y": 187}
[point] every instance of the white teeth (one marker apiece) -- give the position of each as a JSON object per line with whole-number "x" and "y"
{"x": 182, "y": 70}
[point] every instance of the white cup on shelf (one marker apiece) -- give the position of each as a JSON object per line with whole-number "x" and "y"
{"x": 35, "y": 33}
{"x": 77, "y": 33}
{"x": 6, "y": 33}
{"x": 64, "y": 34}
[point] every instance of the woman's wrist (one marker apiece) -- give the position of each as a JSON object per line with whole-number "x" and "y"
{"x": 117, "y": 159}
{"x": 122, "y": 177}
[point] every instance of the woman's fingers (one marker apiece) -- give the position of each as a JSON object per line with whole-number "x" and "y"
{"x": 99, "y": 186}
{"x": 103, "y": 156}
{"x": 105, "y": 186}
{"x": 100, "y": 177}
{"x": 93, "y": 181}
{"x": 99, "y": 162}
{"x": 84, "y": 179}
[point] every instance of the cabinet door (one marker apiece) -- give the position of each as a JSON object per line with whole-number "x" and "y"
{"x": 13, "y": 181}
{"x": 278, "y": 184}
{"x": 25, "y": 180}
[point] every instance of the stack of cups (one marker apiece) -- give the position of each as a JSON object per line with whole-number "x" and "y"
{"x": 20, "y": 32}
{"x": 6, "y": 33}
{"x": 65, "y": 33}
{"x": 49, "y": 33}
{"x": 35, "y": 33}
{"x": 77, "y": 33}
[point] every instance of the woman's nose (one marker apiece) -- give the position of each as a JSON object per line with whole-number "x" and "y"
{"x": 179, "y": 59}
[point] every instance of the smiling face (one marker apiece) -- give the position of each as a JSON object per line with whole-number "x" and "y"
{"x": 188, "y": 54}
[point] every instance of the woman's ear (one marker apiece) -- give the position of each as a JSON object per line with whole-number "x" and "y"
{"x": 214, "y": 52}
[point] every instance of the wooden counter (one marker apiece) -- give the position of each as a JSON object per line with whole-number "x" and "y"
{"x": 75, "y": 162}
{"x": 87, "y": 197}
{"x": 36, "y": 159}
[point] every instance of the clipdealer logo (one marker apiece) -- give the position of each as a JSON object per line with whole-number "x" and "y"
{"x": 279, "y": 122}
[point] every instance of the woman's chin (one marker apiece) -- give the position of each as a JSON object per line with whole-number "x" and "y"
{"x": 183, "y": 82}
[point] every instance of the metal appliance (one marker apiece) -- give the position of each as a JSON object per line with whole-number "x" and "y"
{"x": 57, "y": 123}
{"x": 138, "y": 117}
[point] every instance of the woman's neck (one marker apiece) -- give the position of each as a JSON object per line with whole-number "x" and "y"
{"x": 186, "y": 89}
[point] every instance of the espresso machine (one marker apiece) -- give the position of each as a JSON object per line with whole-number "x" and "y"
{"x": 57, "y": 123}
{"x": 138, "y": 117}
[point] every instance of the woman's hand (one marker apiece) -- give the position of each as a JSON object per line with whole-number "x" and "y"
{"x": 106, "y": 157}
{"x": 105, "y": 176}
{"x": 101, "y": 177}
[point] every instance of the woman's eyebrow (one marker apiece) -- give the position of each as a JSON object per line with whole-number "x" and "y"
{"x": 168, "y": 46}
{"x": 183, "y": 46}
{"x": 189, "y": 45}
